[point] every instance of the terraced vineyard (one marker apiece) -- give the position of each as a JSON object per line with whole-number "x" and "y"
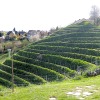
{"x": 70, "y": 50}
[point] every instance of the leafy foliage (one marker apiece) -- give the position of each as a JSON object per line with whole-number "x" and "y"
{"x": 40, "y": 71}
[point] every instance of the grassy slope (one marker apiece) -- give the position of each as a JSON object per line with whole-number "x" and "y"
{"x": 3, "y": 57}
{"x": 59, "y": 90}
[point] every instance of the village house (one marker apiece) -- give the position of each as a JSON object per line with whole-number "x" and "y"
{"x": 31, "y": 33}
{"x": 2, "y": 37}
{"x": 10, "y": 35}
{"x": 21, "y": 35}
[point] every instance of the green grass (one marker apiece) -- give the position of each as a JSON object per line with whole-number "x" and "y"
{"x": 56, "y": 89}
{"x": 3, "y": 57}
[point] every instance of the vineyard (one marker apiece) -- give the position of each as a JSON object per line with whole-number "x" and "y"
{"x": 68, "y": 52}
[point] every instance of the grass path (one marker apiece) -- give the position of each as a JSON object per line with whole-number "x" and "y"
{"x": 3, "y": 57}
{"x": 58, "y": 90}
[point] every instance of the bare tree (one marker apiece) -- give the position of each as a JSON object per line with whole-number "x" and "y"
{"x": 94, "y": 14}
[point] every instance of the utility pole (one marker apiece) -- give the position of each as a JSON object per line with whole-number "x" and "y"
{"x": 12, "y": 67}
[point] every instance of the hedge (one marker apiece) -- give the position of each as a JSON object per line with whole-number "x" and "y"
{"x": 40, "y": 71}
{"x": 75, "y": 34}
{"x": 88, "y": 58}
{"x": 86, "y": 51}
{"x": 30, "y": 77}
{"x": 17, "y": 80}
{"x": 64, "y": 61}
{"x": 58, "y": 68}
{"x": 24, "y": 53}
{"x": 80, "y": 45}
{"x": 81, "y": 39}
{"x": 5, "y": 82}
{"x": 69, "y": 62}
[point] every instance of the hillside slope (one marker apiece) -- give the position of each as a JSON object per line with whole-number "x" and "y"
{"x": 69, "y": 51}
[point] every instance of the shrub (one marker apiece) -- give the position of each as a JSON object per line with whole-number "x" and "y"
{"x": 30, "y": 77}
{"x": 52, "y": 75}
{"x": 58, "y": 68}
{"x": 5, "y": 82}
{"x": 8, "y": 77}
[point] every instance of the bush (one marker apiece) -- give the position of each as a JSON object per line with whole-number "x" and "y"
{"x": 28, "y": 54}
{"x": 63, "y": 61}
{"x": 42, "y": 72}
{"x": 5, "y": 82}
{"x": 8, "y": 77}
{"x": 85, "y": 51}
{"x": 69, "y": 62}
{"x": 78, "y": 77}
{"x": 89, "y": 58}
{"x": 80, "y": 45}
{"x": 58, "y": 68}
{"x": 30, "y": 77}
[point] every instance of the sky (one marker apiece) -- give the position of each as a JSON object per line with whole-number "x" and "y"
{"x": 42, "y": 14}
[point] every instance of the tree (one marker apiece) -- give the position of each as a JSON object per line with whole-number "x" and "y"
{"x": 94, "y": 14}
{"x": 57, "y": 28}
{"x": 98, "y": 21}
{"x": 1, "y": 34}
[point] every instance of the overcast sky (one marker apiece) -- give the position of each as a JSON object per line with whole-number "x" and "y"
{"x": 42, "y": 14}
